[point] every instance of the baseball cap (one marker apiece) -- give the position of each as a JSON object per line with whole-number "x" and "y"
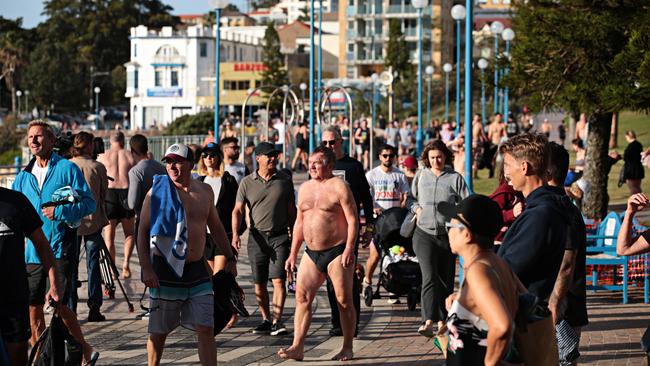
{"x": 479, "y": 213}
{"x": 265, "y": 148}
{"x": 178, "y": 151}
{"x": 410, "y": 162}
{"x": 211, "y": 147}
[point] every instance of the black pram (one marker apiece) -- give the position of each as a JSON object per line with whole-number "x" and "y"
{"x": 399, "y": 272}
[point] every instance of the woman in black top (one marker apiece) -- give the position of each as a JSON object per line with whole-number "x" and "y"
{"x": 302, "y": 147}
{"x": 225, "y": 188}
{"x": 633, "y": 171}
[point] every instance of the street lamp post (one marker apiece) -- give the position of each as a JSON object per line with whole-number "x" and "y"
{"x": 302, "y": 87}
{"x": 27, "y": 102}
{"x": 429, "y": 72}
{"x": 19, "y": 94}
{"x": 419, "y": 5}
{"x": 496, "y": 28}
{"x": 218, "y": 6}
{"x": 469, "y": 43}
{"x": 482, "y": 65}
{"x": 97, "y": 90}
{"x": 373, "y": 122}
{"x": 311, "y": 76}
{"x": 458, "y": 13}
{"x": 508, "y": 35}
{"x": 447, "y": 69}
{"x": 285, "y": 92}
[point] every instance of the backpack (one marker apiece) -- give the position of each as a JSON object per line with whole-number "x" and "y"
{"x": 56, "y": 347}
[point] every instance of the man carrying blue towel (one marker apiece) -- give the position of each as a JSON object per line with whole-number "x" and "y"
{"x": 179, "y": 208}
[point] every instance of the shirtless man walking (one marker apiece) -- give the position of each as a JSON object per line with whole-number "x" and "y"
{"x": 188, "y": 300}
{"x": 327, "y": 222}
{"x": 118, "y": 162}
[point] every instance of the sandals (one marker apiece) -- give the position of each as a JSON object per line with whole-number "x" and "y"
{"x": 427, "y": 330}
{"x": 93, "y": 359}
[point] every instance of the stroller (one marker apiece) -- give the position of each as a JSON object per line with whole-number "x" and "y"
{"x": 399, "y": 270}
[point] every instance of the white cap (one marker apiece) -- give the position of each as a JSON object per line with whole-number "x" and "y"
{"x": 178, "y": 151}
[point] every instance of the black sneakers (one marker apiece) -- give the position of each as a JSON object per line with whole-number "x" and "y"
{"x": 263, "y": 328}
{"x": 95, "y": 316}
{"x": 278, "y": 329}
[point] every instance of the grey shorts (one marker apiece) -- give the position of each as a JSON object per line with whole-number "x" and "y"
{"x": 268, "y": 254}
{"x": 167, "y": 315}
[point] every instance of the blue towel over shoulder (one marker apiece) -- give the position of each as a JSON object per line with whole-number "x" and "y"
{"x": 168, "y": 233}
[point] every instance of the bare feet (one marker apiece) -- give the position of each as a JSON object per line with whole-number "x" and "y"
{"x": 126, "y": 273}
{"x": 232, "y": 322}
{"x": 344, "y": 355}
{"x": 291, "y": 353}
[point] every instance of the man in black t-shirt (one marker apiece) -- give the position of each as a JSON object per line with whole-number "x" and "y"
{"x": 18, "y": 220}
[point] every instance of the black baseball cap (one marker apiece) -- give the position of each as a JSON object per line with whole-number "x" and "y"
{"x": 479, "y": 213}
{"x": 265, "y": 148}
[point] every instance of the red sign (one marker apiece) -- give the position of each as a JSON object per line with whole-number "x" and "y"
{"x": 250, "y": 67}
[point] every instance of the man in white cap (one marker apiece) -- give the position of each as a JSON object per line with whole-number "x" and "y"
{"x": 193, "y": 305}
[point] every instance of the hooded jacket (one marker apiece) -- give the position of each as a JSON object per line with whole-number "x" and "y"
{"x": 60, "y": 173}
{"x": 534, "y": 244}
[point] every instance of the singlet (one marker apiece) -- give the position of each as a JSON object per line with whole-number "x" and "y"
{"x": 467, "y": 336}
{"x": 215, "y": 183}
{"x": 40, "y": 173}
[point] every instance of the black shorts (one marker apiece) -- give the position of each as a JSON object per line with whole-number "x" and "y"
{"x": 116, "y": 204}
{"x": 14, "y": 322}
{"x": 37, "y": 279}
{"x": 268, "y": 254}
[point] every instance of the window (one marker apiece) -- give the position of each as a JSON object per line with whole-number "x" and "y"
{"x": 135, "y": 50}
{"x": 174, "y": 81}
{"x": 136, "y": 79}
{"x": 203, "y": 49}
{"x": 158, "y": 78}
{"x": 241, "y": 54}
{"x": 236, "y": 84}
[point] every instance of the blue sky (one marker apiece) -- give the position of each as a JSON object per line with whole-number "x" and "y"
{"x": 30, "y": 10}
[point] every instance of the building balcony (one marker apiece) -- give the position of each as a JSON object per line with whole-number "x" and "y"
{"x": 405, "y": 10}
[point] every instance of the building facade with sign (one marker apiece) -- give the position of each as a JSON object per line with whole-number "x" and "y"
{"x": 171, "y": 73}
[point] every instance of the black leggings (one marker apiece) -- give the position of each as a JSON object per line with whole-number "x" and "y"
{"x": 438, "y": 266}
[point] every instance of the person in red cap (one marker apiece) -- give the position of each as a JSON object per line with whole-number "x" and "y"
{"x": 409, "y": 165}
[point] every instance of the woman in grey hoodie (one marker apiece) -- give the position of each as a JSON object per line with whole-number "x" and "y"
{"x": 435, "y": 183}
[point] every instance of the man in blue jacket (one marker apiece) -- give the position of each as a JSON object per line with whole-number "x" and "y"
{"x": 534, "y": 244}
{"x": 45, "y": 173}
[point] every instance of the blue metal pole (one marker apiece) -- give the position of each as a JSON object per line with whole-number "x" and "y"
{"x": 458, "y": 34}
{"x": 311, "y": 77}
{"x": 428, "y": 100}
{"x": 505, "y": 98}
{"x": 483, "y": 96}
{"x": 446, "y": 96}
{"x": 468, "y": 92}
{"x": 17, "y": 164}
{"x": 496, "y": 74}
{"x": 320, "y": 61}
{"x": 374, "y": 113}
{"x": 217, "y": 45}
{"x": 418, "y": 136}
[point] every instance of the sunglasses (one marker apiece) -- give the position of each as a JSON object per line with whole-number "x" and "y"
{"x": 328, "y": 142}
{"x": 387, "y": 156}
{"x": 449, "y": 225}
{"x": 233, "y": 147}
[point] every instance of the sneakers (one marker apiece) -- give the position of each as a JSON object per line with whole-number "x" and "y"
{"x": 94, "y": 315}
{"x": 278, "y": 329}
{"x": 263, "y": 328}
{"x": 393, "y": 300}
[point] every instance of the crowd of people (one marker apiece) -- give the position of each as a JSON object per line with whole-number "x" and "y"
{"x": 187, "y": 218}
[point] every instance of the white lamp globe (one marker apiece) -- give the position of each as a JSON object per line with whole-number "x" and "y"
{"x": 419, "y": 4}
{"x": 303, "y": 86}
{"x": 496, "y": 27}
{"x": 97, "y": 90}
{"x": 482, "y": 64}
{"x": 19, "y": 93}
{"x": 508, "y": 34}
{"x": 429, "y": 70}
{"x": 447, "y": 67}
{"x": 218, "y": 4}
{"x": 458, "y": 12}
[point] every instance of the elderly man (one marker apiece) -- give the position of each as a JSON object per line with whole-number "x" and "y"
{"x": 179, "y": 298}
{"x": 327, "y": 222}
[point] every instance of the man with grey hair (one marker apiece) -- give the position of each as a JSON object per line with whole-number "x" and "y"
{"x": 351, "y": 171}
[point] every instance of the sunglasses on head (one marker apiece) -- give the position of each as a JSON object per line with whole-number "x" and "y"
{"x": 328, "y": 142}
{"x": 386, "y": 156}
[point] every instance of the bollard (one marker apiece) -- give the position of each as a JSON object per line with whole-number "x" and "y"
{"x": 17, "y": 164}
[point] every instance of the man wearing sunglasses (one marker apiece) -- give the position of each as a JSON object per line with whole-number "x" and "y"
{"x": 232, "y": 165}
{"x": 351, "y": 171}
{"x": 389, "y": 188}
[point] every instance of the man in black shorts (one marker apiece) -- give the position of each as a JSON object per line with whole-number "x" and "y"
{"x": 18, "y": 220}
{"x": 269, "y": 195}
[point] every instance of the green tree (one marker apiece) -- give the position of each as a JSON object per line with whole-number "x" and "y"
{"x": 397, "y": 58}
{"x": 304, "y": 14}
{"x": 583, "y": 56}
{"x": 15, "y": 43}
{"x": 209, "y": 17}
{"x": 275, "y": 70}
{"x": 195, "y": 124}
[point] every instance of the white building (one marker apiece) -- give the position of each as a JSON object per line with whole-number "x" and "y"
{"x": 171, "y": 73}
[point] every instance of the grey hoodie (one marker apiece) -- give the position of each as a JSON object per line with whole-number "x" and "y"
{"x": 428, "y": 190}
